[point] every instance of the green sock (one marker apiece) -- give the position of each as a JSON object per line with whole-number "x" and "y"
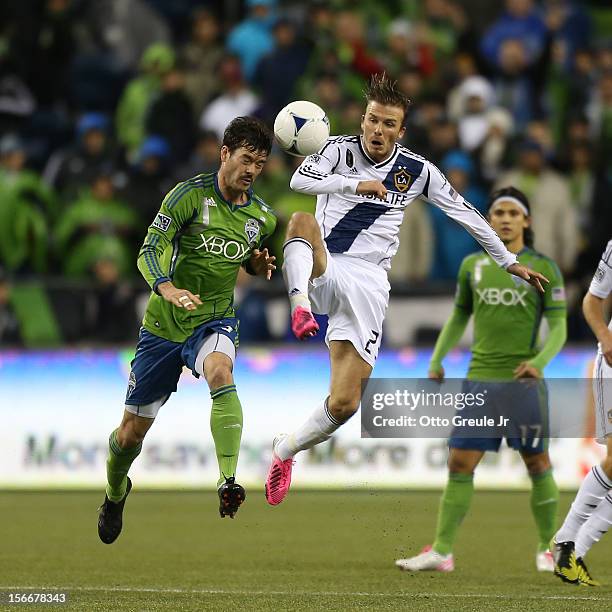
{"x": 226, "y": 428}
{"x": 117, "y": 465}
{"x": 544, "y": 504}
{"x": 454, "y": 505}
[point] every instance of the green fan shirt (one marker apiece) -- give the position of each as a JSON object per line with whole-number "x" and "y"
{"x": 507, "y": 311}
{"x": 198, "y": 240}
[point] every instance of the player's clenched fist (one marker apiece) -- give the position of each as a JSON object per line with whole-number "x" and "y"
{"x": 262, "y": 263}
{"x": 375, "y": 188}
{"x": 179, "y": 297}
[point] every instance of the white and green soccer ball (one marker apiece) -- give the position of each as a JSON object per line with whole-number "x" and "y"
{"x": 301, "y": 128}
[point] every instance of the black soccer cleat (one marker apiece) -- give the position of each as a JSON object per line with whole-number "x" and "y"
{"x": 110, "y": 519}
{"x": 564, "y": 557}
{"x": 231, "y": 496}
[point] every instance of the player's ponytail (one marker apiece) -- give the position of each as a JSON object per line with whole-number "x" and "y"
{"x": 512, "y": 193}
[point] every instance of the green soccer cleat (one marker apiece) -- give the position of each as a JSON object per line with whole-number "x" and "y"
{"x": 584, "y": 577}
{"x": 566, "y": 566}
{"x": 110, "y": 519}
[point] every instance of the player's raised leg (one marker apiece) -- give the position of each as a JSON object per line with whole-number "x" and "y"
{"x": 304, "y": 258}
{"x": 454, "y": 505}
{"x": 348, "y": 369}
{"x": 124, "y": 445}
{"x": 217, "y": 358}
{"x": 544, "y": 504}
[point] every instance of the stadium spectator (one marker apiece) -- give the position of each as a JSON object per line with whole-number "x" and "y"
{"x": 97, "y": 226}
{"x": 200, "y": 57}
{"x": 553, "y": 216}
{"x": 138, "y": 94}
{"x": 236, "y": 99}
{"x": 406, "y": 50}
{"x": 521, "y": 22}
{"x": 252, "y": 38}
{"x": 204, "y": 157}
{"x": 9, "y": 324}
{"x": 69, "y": 169}
{"x": 26, "y": 205}
{"x": 492, "y": 154}
{"x": 476, "y": 99}
{"x": 352, "y": 44}
{"x": 600, "y": 117}
{"x": 452, "y": 242}
{"x": 148, "y": 178}
{"x": 279, "y": 70}
{"x": 171, "y": 115}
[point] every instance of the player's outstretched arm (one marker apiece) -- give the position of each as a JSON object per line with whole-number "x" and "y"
{"x": 181, "y": 298}
{"x": 531, "y": 276}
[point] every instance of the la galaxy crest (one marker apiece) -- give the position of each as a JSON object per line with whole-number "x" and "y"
{"x": 402, "y": 180}
{"x": 251, "y": 229}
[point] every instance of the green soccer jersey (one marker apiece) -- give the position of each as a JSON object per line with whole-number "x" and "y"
{"x": 507, "y": 311}
{"x": 198, "y": 240}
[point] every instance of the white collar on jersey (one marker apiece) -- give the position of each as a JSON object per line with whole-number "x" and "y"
{"x": 375, "y": 163}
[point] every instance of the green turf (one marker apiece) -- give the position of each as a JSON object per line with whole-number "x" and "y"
{"x": 317, "y": 551}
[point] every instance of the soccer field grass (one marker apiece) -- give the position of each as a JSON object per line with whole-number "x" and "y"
{"x": 317, "y": 551}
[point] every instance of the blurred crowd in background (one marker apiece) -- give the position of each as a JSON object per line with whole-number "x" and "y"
{"x": 106, "y": 104}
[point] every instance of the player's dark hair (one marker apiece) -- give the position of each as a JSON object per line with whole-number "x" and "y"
{"x": 248, "y": 132}
{"x": 385, "y": 91}
{"x": 513, "y": 192}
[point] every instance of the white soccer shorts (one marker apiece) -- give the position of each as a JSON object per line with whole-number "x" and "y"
{"x": 602, "y": 381}
{"x": 354, "y": 293}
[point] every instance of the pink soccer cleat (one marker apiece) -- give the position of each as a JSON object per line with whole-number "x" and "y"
{"x": 303, "y": 323}
{"x": 279, "y": 477}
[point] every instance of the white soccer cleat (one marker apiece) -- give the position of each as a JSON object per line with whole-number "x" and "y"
{"x": 427, "y": 561}
{"x": 545, "y": 561}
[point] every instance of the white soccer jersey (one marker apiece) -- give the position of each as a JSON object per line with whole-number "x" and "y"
{"x": 366, "y": 227}
{"x": 601, "y": 285}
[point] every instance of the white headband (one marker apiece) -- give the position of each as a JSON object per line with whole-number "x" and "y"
{"x": 509, "y": 199}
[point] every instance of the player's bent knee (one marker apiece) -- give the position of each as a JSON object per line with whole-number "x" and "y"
{"x": 537, "y": 464}
{"x": 343, "y": 408}
{"x": 301, "y": 224}
{"x": 219, "y": 375}
{"x": 132, "y": 432}
{"x": 460, "y": 465}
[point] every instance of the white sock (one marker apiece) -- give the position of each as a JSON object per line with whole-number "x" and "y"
{"x": 319, "y": 427}
{"x": 297, "y": 268}
{"x": 596, "y": 527}
{"x": 592, "y": 490}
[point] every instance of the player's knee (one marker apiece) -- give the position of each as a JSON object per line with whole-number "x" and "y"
{"x": 218, "y": 372}
{"x": 301, "y": 224}
{"x": 343, "y": 407}
{"x": 131, "y": 433}
{"x": 457, "y": 464}
{"x": 537, "y": 464}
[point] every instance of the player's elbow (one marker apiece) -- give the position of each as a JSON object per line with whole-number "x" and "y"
{"x": 298, "y": 182}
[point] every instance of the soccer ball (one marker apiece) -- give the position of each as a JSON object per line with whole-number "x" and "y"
{"x": 301, "y": 128}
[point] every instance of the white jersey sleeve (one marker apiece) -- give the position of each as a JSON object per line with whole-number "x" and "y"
{"x": 439, "y": 191}
{"x": 601, "y": 285}
{"x": 316, "y": 174}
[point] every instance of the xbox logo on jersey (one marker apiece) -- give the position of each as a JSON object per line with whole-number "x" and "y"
{"x": 230, "y": 249}
{"x": 493, "y": 296}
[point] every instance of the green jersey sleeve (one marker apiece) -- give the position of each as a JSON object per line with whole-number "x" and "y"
{"x": 463, "y": 294}
{"x": 177, "y": 209}
{"x": 555, "y": 305}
